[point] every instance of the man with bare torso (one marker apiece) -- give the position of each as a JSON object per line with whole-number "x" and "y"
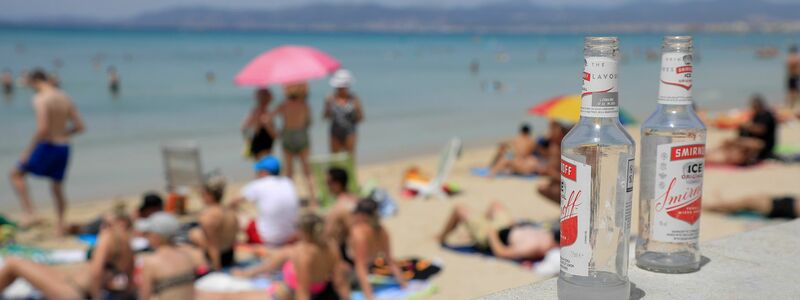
{"x": 57, "y": 120}
{"x": 516, "y": 155}
{"x": 793, "y": 77}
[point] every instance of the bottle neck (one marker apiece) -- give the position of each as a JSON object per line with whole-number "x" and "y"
{"x": 675, "y": 86}
{"x": 600, "y": 93}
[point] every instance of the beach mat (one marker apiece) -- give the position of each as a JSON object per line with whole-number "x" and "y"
{"x": 415, "y": 290}
{"x": 484, "y": 172}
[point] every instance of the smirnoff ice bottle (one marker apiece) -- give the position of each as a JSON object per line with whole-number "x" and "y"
{"x": 671, "y": 186}
{"x": 596, "y": 185}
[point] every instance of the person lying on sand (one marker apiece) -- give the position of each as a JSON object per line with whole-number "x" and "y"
{"x": 151, "y": 203}
{"x": 309, "y": 266}
{"x": 170, "y": 271}
{"x": 218, "y": 228}
{"x": 516, "y": 156}
{"x": 495, "y": 232}
{"x": 108, "y": 272}
{"x": 784, "y": 207}
{"x": 755, "y": 142}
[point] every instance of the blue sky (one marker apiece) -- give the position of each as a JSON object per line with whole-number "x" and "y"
{"x": 113, "y": 9}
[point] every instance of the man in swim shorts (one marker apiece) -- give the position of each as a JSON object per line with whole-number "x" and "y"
{"x": 57, "y": 121}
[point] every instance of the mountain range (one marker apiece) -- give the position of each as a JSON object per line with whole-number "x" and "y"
{"x": 509, "y": 16}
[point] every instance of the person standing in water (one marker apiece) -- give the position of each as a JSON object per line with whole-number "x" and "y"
{"x": 258, "y": 127}
{"x": 7, "y": 79}
{"x": 113, "y": 81}
{"x": 296, "y": 116}
{"x": 343, "y": 109}
{"x": 793, "y": 77}
{"x": 57, "y": 121}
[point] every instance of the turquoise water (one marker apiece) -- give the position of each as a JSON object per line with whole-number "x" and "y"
{"x": 416, "y": 88}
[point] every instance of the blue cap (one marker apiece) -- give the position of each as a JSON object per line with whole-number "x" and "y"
{"x": 268, "y": 164}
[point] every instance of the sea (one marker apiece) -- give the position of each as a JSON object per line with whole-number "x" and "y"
{"x": 417, "y": 90}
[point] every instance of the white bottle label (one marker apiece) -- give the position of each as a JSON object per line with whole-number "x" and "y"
{"x": 679, "y": 192}
{"x": 576, "y": 188}
{"x": 676, "y": 79}
{"x": 600, "y": 95}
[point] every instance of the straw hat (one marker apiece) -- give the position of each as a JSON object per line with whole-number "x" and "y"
{"x": 342, "y": 79}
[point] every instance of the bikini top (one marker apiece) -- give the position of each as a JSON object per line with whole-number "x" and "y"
{"x": 290, "y": 278}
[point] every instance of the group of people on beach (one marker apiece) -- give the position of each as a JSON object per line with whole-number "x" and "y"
{"x": 342, "y": 108}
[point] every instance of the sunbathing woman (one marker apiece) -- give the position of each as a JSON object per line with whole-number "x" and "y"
{"x": 784, "y": 207}
{"x": 498, "y": 234}
{"x": 516, "y": 156}
{"x": 296, "y": 117}
{"x": 107, "y": 273}
{"x": 218, "y": 228}
{"x": 309, "y": 268}
{"x": 366, "y": 242}
{"x": 170, "y": 271}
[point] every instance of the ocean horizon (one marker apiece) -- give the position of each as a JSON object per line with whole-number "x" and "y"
{"x": 417, "y": 91}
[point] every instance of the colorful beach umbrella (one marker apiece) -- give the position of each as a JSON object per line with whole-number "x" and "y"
{"x": 568, "y": 108}
{"x": 286, "y": 65}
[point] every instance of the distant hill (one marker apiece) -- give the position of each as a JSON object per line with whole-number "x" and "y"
{"x": 511, "y": 16}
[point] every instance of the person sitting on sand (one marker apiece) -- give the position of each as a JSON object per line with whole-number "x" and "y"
{"x": 218, "y": 228}
{"x": 296, "y": 116}
{"x": 258, "y": 127}
{"x": 367, "y": 241}
{"x": 170, "y": 271}
{"x": 516, "y": 155}
{"x": 550, "y": 188}
{"x": 108, "y": 273}
{"x": 277, "y": 203}
{"x": 57, "y": 121}
{"x": 755, "y": 142}
{"x": 309, "y": 267}
{"x": 337, "y": 220}
{"x": 495, "y": 232}
{"x": 784, "y": 207}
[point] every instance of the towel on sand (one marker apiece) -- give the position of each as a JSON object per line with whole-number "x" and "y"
{"x": 484, "y": 172}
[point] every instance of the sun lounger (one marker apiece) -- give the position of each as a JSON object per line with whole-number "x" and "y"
{"x": 182, "y": 166}
{"x": 447, "y": 160}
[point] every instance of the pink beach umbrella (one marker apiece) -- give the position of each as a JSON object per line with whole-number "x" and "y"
{"x": 285, "y": 65}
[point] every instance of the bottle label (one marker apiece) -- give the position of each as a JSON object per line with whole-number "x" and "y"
{"x": 676, "y": 79}
{"x": 599, "y": 97}
{"x": 678, "y": 193}
{"x": 576, "y": 188}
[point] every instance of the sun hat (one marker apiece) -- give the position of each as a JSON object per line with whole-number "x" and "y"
{"x": 342, "y": 79}
{"x": 160, "y": 223}
{"x": 270, "y": 164}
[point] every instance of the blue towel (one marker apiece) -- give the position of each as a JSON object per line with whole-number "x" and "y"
{"x": 484, "y": 171}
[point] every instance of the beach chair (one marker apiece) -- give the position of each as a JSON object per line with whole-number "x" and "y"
{"x": 319, "y": 171}
{"x": 182, "y": 166}
{"x": 447, "y": 160}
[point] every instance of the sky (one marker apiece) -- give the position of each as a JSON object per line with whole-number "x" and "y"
{"x": 117, "y": 9}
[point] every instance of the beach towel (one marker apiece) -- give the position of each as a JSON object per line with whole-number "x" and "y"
{"x": 787, "y": 152}
{"x": 412, "y": 268}
{"x": 484, "y": 172}
{"x": 415, "y": 289}
{"x": 44, "y": 256}
{"x": 226, "y": 283}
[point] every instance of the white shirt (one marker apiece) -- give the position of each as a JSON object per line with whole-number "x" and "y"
{"x": 278, "y": 207}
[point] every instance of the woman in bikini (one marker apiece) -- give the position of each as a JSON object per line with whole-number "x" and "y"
{"x": 343, "y": 109}
{"x": 108, "y": 272}
{"x": 258, "y": 127}
{"x": 218, "y": 226}
{"x": 170, "y": 271}
{"x": 296, "y": 117}
{"x": 309, "y": 268}
{"x": 367, "y": 241}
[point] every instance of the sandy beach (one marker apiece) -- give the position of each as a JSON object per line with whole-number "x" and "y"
{"x": 468, "y": 276}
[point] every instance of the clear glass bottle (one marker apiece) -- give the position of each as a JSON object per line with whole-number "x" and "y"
{"x": 597, "y": 163}
{"x": 671, "y": 186}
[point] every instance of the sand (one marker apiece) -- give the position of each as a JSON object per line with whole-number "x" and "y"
{"x": 469, "y": 276}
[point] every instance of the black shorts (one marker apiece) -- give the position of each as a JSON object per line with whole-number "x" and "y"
{"x": 783, "y": 207}
{"x": 793, "y": 83}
